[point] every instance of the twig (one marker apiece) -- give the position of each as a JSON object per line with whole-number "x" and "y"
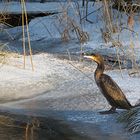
{"x": 28, "y": 34}
{"x": 91, "y": 13}
{"x": 23, "y": 33}
{"x": 81, "y": 72}
{"x": 119, "y": 62}
{"x": 79, "y": 69}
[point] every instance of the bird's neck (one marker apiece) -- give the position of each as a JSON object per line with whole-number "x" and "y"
{"x": 99, "y": 70}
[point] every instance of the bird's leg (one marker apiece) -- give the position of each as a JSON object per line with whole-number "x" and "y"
{"x": 111, "y": 111}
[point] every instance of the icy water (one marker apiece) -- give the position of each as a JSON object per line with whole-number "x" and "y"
{"x": 53, "y": 117}
{"x": 72, "y": 117}
{"x": 61, "y": 125}
{"x": 25, "y": 127}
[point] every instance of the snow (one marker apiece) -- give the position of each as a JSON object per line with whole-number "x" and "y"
{"x": 44, "y": 28}
{"x": 50, "y": 71}
{"x": 60, "y": 84}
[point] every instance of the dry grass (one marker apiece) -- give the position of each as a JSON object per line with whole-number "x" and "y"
{"x": 131, "y": 119}
{"x": 3, "y": 55}
{"x": 114, "y": 23}
{"x": 3, "y": 17}
{"x": 69, "y": 26}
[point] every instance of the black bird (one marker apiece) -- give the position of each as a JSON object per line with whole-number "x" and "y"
{"x": 108, "y": 86}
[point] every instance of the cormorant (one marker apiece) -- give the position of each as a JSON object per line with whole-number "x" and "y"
{"x": 108, "y": 86}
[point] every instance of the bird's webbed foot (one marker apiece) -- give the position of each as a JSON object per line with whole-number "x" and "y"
{"x": 111, "y": 111}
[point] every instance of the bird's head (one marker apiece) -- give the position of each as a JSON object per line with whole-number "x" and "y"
{"x": 95, "y": 57}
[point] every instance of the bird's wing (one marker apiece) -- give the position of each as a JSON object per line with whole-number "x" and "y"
{"x": 113, "y": 91}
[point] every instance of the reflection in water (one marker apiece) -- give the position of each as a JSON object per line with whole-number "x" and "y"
{"x": 18, "y": 127}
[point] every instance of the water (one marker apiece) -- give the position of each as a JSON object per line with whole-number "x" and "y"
{"x": 60, "y": 125}
{"x": 21, "y": 127}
